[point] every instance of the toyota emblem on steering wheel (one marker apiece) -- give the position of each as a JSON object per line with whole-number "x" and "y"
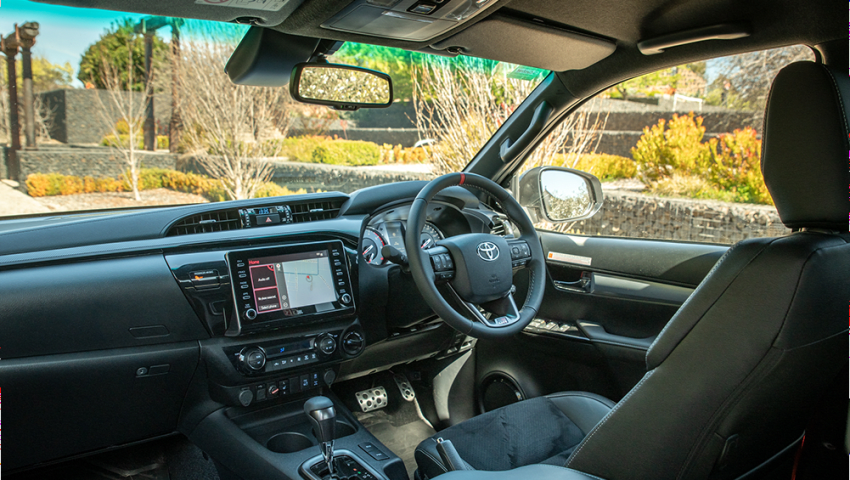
{"x": 488, "y": 251}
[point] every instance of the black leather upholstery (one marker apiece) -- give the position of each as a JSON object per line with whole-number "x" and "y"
{"x": 541, "y": 430}
{"x": 751, "y": 350}
{"x": 732, "y": 378}
{"x": 530, "y": 472}
{"x": 805, "y": 140}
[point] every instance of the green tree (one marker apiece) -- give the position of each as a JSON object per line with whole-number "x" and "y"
{"x": 112, "y": 49}
{"x": 46, "y": 76}
{"x": 393, "y": 61}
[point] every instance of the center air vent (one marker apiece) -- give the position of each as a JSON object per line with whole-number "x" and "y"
{"x": 218, "y": 221}
{"x": 311, "y": 211}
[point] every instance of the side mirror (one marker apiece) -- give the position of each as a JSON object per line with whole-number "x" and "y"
{"x": 341, "y": 87}
{"x": 558, "y": 194}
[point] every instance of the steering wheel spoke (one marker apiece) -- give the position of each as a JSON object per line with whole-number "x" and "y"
{"x": 504, "y": 311}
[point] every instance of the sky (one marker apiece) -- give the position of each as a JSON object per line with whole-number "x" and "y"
{"x": 64, "y": 32}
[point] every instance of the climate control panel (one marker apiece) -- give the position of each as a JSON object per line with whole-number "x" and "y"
{"x": 294, "y": 352}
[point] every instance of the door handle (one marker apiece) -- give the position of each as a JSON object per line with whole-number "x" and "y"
{"x": 582, "y": 285}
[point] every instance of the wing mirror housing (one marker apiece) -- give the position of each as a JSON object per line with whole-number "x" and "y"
{"x": 559, "y": 195}
{"x": 341, "y": 87}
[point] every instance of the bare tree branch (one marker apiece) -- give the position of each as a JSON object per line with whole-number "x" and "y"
{"x": 230, "y": 129}
{"x": 128, "y": 106}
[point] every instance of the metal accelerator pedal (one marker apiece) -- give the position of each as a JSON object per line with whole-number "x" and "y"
{"x": 372, "y": 399}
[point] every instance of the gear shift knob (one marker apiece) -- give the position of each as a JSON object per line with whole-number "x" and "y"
{"x": 320, "y": 411}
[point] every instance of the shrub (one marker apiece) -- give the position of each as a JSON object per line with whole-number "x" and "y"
{"x": 736, "y": 168}
{"x": 397, "y": 154}
{"x": 271, "y": 189}
{"x": 675, "y": 161}
{"x": 347, "y": 152}
{"x": 296, "y": 149}
{"x": 673, "y": 147}
{"x": 605, "y": 167}
{"x": 41, "y": 185}
{"x": 124, "y": 141}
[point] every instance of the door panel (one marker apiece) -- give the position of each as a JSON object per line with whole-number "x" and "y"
{"x": 606, "y": 300}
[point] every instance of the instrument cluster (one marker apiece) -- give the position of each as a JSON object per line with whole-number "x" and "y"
{"x": 376, "y": 236}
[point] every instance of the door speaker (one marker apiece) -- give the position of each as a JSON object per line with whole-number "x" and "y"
{"x": 498, "y": 390}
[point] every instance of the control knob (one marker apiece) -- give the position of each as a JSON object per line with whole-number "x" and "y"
{"x": 250, "y": 314}
{"x": 352, "y": 343}
{"x": 251, "y": 359}
{"x": 326, "y": 343}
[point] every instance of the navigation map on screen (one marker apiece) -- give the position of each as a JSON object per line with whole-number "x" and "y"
{"x": 292, "y": 281}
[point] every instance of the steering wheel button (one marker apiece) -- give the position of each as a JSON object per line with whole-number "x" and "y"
{"x": 438, "y": 262}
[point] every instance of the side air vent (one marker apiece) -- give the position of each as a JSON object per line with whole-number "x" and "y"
{"x": 219, "y": 221}
{"x": 501, "y": 226}
{"x": 311, "y": 211}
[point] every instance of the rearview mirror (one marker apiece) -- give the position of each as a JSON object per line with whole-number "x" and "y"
{"x": 342, "y": 87}
{"x": 559, "y": 195}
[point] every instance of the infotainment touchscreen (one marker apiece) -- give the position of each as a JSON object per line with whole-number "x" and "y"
{"x": 292, "y": 281}
{"x": 306, "y": 280}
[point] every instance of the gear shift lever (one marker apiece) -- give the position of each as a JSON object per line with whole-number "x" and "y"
{"x": 320, "y": 411}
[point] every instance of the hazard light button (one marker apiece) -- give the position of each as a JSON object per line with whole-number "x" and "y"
{"x": 271, "y": 219}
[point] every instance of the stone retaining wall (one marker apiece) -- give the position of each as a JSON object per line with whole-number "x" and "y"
{"x": 631, "y": 214}
{"x": 82, "y": 162}
{"x": 76, "y": 116}
{"x": 314, "y": 176}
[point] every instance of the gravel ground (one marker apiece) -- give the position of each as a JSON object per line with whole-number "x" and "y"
{"x": 96, "y": 201}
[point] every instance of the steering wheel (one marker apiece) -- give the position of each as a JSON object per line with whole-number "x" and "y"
{"x": 477, "y": 267}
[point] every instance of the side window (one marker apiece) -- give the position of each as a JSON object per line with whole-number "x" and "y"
{"x": 677, "y": 151}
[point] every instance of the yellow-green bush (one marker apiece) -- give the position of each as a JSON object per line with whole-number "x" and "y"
{"x": 605, "y": 167}
{"x": 672, "y": 147}
{"x": 347, "y": 152}
{"x": 270, "y": 189}
{"x": 398, "y": 154}
{"x": 672, "y": 159}
{"x": 332, "y": 151}
{"x": 736, "y": 168}
{"x": 41, "y": 185}
{"x": 296, "y": 149}
{"x": 124, "y": 141}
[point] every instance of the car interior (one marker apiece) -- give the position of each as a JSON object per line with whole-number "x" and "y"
{"x": 416, "y": 330}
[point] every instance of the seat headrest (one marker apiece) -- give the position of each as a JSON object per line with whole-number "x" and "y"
{"x": 805, "y": 137}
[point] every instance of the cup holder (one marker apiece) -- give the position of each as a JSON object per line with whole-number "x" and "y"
{"x": 343, "y": 429}
{"x": 291, "y": 442}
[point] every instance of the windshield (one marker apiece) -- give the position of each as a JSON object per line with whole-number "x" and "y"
{"x": 90, "y": 138}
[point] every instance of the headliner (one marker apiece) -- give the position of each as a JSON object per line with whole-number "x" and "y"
{"x": 774, "y": 23}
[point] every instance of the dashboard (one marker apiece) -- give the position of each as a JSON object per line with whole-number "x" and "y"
{"x": 173, "y": 313}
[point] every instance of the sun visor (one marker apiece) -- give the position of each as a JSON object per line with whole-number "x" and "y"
{"x": 508, "y": 39}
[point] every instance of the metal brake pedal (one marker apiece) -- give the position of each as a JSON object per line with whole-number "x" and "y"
{"x": 372, "y": 399}
{"x": 404, "y": 387}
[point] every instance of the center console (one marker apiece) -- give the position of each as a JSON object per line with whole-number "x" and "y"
{"x": 282, "y": 319}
